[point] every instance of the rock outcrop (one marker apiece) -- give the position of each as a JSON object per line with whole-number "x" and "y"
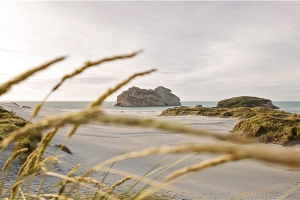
{"x": 135, "y": 96}
{"x": 246, "y": 101}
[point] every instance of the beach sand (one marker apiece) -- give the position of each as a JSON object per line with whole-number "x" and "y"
{"x": 94, "y": 143}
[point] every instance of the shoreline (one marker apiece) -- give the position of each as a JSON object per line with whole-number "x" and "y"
{"x": 94, "y": 143}
{"x": 288, "y": 106}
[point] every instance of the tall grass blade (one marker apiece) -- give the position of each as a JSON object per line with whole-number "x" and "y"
{"x": 7, "y": 86}
{"x": 79, "y": 71}
{"x": 168, "y": 167}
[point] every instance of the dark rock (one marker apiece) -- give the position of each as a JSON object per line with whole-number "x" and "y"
{"x": 136, "y": 97}
{"x": 15, "y": 104}
{"x": 246, "y": 101}
{"x": 64, "y": 148}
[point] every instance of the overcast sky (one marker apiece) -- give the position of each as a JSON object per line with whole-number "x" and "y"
{"x": 202, "y": 50}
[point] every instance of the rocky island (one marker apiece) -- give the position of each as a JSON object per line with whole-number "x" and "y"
{"x": 136, "y": 97}
{"x": 246, "y": 101}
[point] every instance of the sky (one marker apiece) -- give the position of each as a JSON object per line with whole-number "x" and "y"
{"x": 202, "y": 50}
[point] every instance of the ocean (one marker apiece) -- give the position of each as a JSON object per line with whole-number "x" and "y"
{"x": 289, "y": 106}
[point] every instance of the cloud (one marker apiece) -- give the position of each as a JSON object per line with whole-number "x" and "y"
{"x": 202, "y": 50}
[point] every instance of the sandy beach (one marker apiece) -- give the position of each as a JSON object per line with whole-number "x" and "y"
{"x": 94, "y": 143}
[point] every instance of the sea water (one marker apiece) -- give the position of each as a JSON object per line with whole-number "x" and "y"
{"x": 288, "y": 106}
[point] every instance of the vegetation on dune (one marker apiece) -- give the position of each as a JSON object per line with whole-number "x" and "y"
{"x": 267, "y": 124}
{"x": 271, "y": 129}
{"x": 10, "y": 122}
{"x": 26, "y": 135}
{"x": 240, "y": 112}
{"x": 245, "y": 101}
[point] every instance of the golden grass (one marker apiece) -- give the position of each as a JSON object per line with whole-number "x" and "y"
{"x": 271, "y": 129}
{"x": 117, "y": 87}
{"x": 243, "y": 148}
{"x": 7, "y": 86}
{"x": 12, "y": 158}
{"x": 120, "y": 182}
{"x": 200, "y": 166}
{"x": 79, "y": 71}
{"x": 10, "y": 122}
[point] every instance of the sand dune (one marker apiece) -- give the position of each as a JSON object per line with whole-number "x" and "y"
{"x": 94, "y": 143}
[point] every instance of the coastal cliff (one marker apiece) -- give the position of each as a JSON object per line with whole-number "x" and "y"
{"x": 136, "y": 97}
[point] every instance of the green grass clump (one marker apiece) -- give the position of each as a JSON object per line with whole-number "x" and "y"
{"x": 30, "y": 143}
{"x": 241, "y": 112}
{"x": 271, "y": 129}
{"x": 10, "y": 122}
{"x": 267, "y": 124}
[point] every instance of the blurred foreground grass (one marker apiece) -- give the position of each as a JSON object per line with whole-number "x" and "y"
{"x": 24, "y": 135}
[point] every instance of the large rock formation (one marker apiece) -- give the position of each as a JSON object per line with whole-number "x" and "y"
{"x": 246, "y": 101}
{"x": 135, "y": 96}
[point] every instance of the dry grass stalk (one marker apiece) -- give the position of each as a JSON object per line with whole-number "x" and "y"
{"x": 165, "y": 126}
{"x": 50, "y": 159}
{"x": 23, "y": 197}
{"x": 79, "y": 71}
{"x": 159, "y": 187}
{"x": 144, "y": 179}
{"x": 6, "y": 86}
{"x": 56, "y": 196}
{"x": 111, "y": 189}
{"x": 28, "y": 165}
{"x": 64, "y": 182}
{"x": 93, "y": 181}
{"x": 81, "y": 181}
{"x": 72, "y": 131}
{"x": 152, "y": 190}
{"x": 12, "y": 158}
{"x": 109, "y": 92}
{"x": 45, "y": 142}
{"x": 49, "y": 196}
{"x": 43, "y": 181}
{"x": 127, "y": 178}
{"x": 123, "y": 173}
{"x": 33, "y": 160}
{"x": 289, "y": 192}
{"x": 200, "y": 166}
{"x": 290, "y": 157}
{"x": 3, "y": 182}
{"x": 80, "y": 117}
{"x": 14, "y": 189}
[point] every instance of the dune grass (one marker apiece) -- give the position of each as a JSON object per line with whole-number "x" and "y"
{"x": 271, "y": 129}
{"x": 14, "y": 129}
{"x": 240, "y": 112}
{"x": 10, "y": 122}
{"x": 266, "y": 124}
